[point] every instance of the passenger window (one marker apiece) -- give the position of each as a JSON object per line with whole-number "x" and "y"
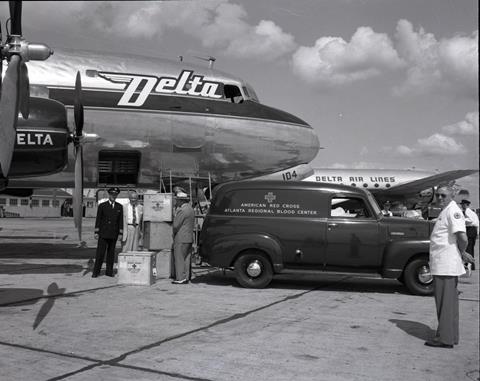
{"x": 349, "y": 207}
{"x": 233, "y": 93}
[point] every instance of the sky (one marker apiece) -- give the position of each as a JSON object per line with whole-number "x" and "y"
{"x": 385, "y": 83}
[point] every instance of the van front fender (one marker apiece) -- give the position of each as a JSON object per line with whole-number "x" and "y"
{"x": 399, "y": 253}
{"x": 226, "y": 249}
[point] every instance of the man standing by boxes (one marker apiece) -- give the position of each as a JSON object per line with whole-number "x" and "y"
{"x": 132, "y": 223}
{"x": 182, "y": 237}
{"x": 108, "y": 228}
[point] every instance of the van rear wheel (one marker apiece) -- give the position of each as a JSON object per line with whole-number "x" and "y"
{"x": 253, "y": 270}
{"x": 417, "y": 277}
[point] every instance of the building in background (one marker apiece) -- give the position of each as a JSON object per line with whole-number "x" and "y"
{"x": 42, "y": 203}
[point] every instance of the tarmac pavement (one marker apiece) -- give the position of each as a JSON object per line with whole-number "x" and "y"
{"x": 57, "y": 323}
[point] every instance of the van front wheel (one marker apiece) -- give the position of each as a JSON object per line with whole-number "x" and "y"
{"x": 417, "y": 277}
{"x": 253, "y": 270}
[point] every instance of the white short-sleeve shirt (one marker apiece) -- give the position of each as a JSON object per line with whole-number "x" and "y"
{"x": 445, "y": 258}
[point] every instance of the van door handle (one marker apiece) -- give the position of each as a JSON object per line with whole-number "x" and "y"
{"x": 332, "y": 226}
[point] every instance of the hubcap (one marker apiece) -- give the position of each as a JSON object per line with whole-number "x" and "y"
{"x": 254, "y": 269}
{"x": 424, "y": 275}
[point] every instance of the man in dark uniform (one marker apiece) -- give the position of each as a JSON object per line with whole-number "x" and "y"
{"x": 108, "y": 227}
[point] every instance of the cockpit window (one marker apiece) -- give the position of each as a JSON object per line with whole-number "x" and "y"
{"x": 250, "y": 93}
{"x": 233, "y": 93}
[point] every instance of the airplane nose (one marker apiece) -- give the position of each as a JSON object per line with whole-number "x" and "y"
{"x": 311, "y": 145}
{"x": 314, "y": 144}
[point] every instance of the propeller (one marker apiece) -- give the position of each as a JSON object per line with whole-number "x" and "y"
{"x": 24, "y": 98}
{"x": 9, "y": 112}
{"x": 15, "y": 89}
{"x": 78, "y": 149}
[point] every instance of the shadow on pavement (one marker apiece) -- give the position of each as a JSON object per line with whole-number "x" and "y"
{"x": 52, "y": 290}
{"x": 324, "y": 282}
{"x": 45, "y": 250}
{"x": 414, "y": 328}
{"x": 32, "y": 268}
{"x": 10, "y": 295}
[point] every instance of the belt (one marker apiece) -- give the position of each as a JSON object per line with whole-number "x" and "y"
{"x": 133, "y": 224}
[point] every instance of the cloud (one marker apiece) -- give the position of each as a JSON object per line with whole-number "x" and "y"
{"x": 466, "y": 127}
{"x": 436, "y": 144}
{"x": 357, "y": 165}
{"x": 440, "y": 144}
{"x": 216, "y": 24}
{"x": 450, "y": 64}
{"x": 333, "y": 61}
{"x": 364, "y": 151}
{"x": 265, "y": 39}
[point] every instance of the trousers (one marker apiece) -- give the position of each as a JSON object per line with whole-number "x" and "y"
{"x": 446, "y": 301}
{"x": 133, "y": 237}
{"x": 182, "y": 257}
{"x": 108, "y": 245}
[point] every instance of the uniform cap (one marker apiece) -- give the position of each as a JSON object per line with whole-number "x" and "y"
{"x": 465, "y": 202}
{"x": 114, "y": 190}
{"x": 182, "y": 196}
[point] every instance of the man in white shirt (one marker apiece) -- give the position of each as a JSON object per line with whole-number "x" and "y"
{"x": 447, "y": 250}
{"x": 471, "y": 222}
{"x": 132, "y": 223}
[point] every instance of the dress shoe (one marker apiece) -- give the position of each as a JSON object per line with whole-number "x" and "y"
{"x": 437, "y": 344}
{"x": 110, "y": 275}
{"x": 184, "y": 281}
{"x": 94, "y": 275}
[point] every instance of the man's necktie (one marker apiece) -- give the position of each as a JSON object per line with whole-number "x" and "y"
{"x": 134, "y": 221}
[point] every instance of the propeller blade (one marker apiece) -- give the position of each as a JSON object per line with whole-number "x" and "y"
{"x": 78, "y": 192}
{"x": 16, "y": 17}
{"x": 24, "y": 91}
{"x": 78, "y": 106}
{"x": 9, "y": 104}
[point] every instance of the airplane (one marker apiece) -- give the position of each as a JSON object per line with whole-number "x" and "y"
{"x": 407, "y": 187}
{"x": 145, "y": 119}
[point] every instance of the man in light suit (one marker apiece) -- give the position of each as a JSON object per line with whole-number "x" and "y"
{"x": 108, "y": 228}
{"x": 182, "y": 237}
{"x": 132, "y": 223}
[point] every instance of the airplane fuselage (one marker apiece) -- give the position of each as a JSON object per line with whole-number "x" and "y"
{"x": 370, "y": 179}
{"x": 155, "y": 118}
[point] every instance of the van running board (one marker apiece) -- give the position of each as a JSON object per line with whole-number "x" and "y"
{"x": 353, "y": 274}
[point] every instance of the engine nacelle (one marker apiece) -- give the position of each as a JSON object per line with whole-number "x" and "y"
{"x": 41, "y": 145}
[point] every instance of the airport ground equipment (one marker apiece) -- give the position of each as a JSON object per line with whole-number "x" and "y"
{"x": 260, "y": 228}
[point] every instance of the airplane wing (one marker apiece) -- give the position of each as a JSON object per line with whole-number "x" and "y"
{"x": 427, "y": 182}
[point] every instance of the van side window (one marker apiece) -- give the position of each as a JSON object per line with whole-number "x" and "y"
{"x": 349, "y": 207}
